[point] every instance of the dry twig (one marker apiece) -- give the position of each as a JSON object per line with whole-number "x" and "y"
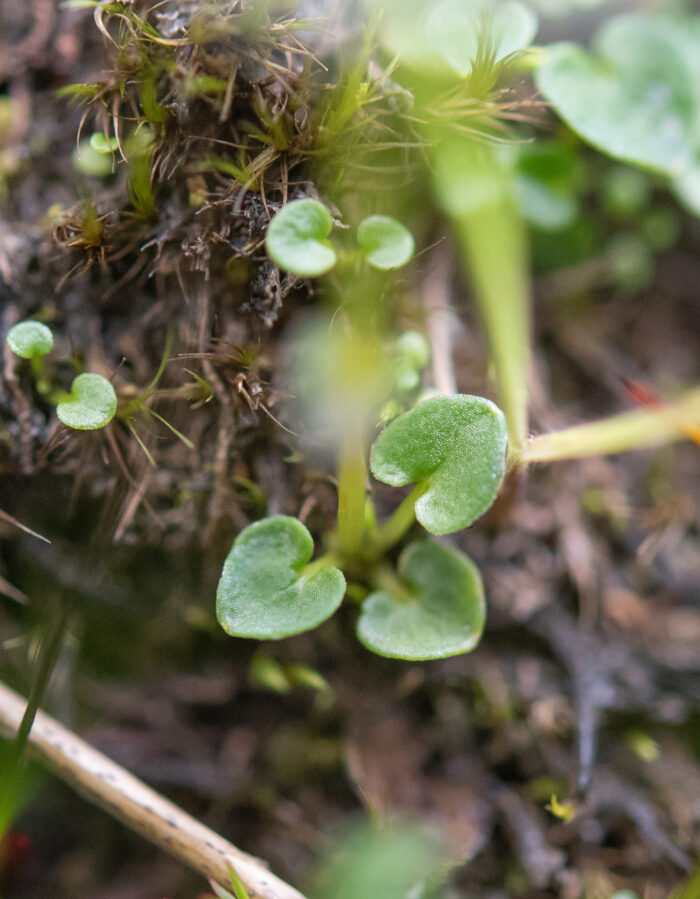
{"x": 128, "y": 799}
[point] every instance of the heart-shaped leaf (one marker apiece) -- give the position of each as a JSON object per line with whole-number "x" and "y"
{"x": 454, "y": 447}
{"x": 635, "y": 101}
{"x": 28, "y": 339}
{"x": 438, "y": 611}
{"x": 92, "y": 403}
{"x": 296, "y": 239}
{"x": 263, "y": 592}
{"x": 387, "y": 244}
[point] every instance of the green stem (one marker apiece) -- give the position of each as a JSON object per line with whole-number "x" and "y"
{"x": 327, "y": 560}
{"x": 385, "y": 579}
{"x": 402, "y": 519}
{"x": 50, "y": 649}
{"x": 43, "y": 385}
{"x": 352, "y": 477}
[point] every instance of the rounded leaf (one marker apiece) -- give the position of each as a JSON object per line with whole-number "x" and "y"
{"x": 92, "y": 403}
{"x": 296, "y": 239}
{"x": 454, "y": 446}
{"x": 387, "y": 244}
{"x": 440, "y": 613}
{"x": 263, "y": 592}
{"x": 635, "y": 100}
{"x": 30, "y": 338}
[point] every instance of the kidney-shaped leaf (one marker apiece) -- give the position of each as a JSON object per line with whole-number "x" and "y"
{"x": 30, "y": 338}
{"x": 92, "y": 403}
{"x": 263, "y": 592}
{"x": 296, "y": 239}
{"x": 635, "y": 100}
{"x": 454, "y": 446}
{"x": 387, "y": 244}
{"x": 440, "y": 611}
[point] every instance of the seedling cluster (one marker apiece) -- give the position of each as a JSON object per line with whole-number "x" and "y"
{"x": 91, "y": 403}
{"x": 297, "y": 240}
{"x": 452, "y": 450}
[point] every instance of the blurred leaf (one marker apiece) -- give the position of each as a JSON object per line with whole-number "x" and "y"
{"x": 384, "y": 864}
{"x": 296, "y": 239}
{"x": 387, "y": 244}
{"x": 635, "y": 99}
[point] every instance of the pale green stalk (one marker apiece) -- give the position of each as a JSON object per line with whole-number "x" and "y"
{"x": 475, "y": 191}
{"x": 620, "y": 433}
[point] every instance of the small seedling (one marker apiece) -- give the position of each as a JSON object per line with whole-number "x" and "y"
{"x": 453, "y": 449}
{"x": 298, "y": 240}
{"x": 91, "y": 404}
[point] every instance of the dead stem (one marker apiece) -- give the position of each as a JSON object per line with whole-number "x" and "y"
{"x": 129, "y": 800}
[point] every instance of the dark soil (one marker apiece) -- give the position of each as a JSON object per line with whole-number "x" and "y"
{"x": 586, "y": 684}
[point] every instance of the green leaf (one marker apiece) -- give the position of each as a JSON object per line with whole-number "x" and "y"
{"x": 387, "y": 244}
{"x": 452, "y": 446}
{"x": 103, "y": 144}
{"x": 92, "y": 403}
{"x": 635, "y": 100}
{"x": 30, "y": 338}
{"x": 455, "y": 28}
{"x": 263, "y": 591}
{"x": 437, "y": 612}
{"x": 296, "y": 239}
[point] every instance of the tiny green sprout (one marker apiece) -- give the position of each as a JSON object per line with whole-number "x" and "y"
{"x": 30, "y": 339}
{"x": 453, "y": 448}
{"x": 92, "y": 403}
{"x": 386, "y": 243}
{"x": 266, "y": 590}
{"x": 296, "y": 239}
{"x": 435, "y": 610}
{"x": 103, "y": 144}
